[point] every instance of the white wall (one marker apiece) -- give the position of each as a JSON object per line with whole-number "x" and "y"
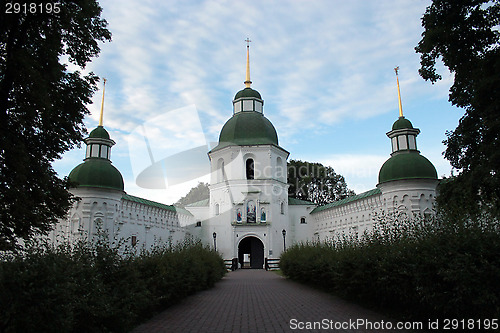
{"x": 121, "y": 219}
{"x": 417, "y": 197}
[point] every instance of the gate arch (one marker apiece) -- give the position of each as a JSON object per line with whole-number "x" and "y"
{"x": 254, "y": 248}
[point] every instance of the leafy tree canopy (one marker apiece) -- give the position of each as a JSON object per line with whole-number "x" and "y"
{"x": 315, "y": 182}
{"x": 197, "y": 193}
{"x": 464, "y": 35}
{"x": 42, "y": 106}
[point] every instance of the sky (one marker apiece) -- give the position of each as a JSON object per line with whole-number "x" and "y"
{"x": 325, "y": 70}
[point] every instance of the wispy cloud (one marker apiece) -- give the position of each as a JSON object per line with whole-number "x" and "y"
{"x": 317, "y": 64}
{"x": 321, "y": 56}
{"x": 359, "y": 170}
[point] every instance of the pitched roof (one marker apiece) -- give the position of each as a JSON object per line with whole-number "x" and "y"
{"x": 147, "y": 202}
{"x": 201, "y": 203}
{"x": 295, "y": 201}
{"x": 353, "y": 198}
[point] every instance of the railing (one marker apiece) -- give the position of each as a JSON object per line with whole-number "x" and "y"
{"x": 272, "y": 264}
{"x": 269, "y": 264}
{"x": 252, "y": 224}
{"x": 231, "y": 264}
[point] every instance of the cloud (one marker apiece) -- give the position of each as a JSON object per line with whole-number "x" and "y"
{"x": 68, "y": 162}
{"x": 167, "y": 196}
{"x": 317, "y": 64}
{"x": 322, "y": 59}
{"x": 168, "y": 149}
{"x": 360, "y": 171}
{"x": 328, "y": 57}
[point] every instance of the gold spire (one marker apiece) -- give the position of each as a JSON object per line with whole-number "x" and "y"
{"x": 399, "y": 93}
{"x": 247, "y": 81}
{"x": 102, "y": 102}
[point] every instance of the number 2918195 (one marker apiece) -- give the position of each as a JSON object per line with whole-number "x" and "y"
{"x": 32, "y": 8}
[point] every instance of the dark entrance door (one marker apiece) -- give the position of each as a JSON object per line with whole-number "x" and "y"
{"x": 253, "y": 247}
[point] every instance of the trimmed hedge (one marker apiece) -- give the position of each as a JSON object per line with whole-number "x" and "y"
{"x": 92, "y": 288}
{"x": 415, "y": 268}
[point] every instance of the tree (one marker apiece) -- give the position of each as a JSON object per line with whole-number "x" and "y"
{"x": 315, "y": 182}
{"x": 197, "y": 193}
{"x": 464, "y": 35}
{"x": 42, "y": 106}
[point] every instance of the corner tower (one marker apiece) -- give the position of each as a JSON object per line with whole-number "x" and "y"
{"x": 248, "y": 191}
{"x": 97, "y": 171}
{"x": 407, "y": 179}
{"x": 97, "y": 184}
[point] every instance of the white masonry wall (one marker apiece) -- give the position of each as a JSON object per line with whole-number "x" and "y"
{"x": 416, "y": 197}
{"x": 123, "y": 220}
{"x": 351, "y": 218}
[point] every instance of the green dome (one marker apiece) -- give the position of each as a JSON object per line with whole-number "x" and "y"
{"x": 247, "y": 92}
{"x": 406, "y": 166}
{"x": 402, "y": 123}
{"x": 99, "y": 132}
{"x": 97, "y": 172}
{"x": 247, "y": 128}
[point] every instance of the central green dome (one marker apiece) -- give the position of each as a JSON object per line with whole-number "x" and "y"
{"x": 97, "y": 172}
{"x": 406, "y": 166}
{"x": 247, "y": 129}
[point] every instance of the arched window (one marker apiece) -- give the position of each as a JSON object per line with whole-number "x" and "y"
{"x": 95, "y": 151}
{"x": 282, "y": 208}
{"x": 250, "y": 169}
{"x": 76, "y": 226}
{"x": 280, "y": 171}
{"x": 302, "y": 220}
{"x": 216, "y": 209}
{"x": 104, "y": 151}
{"x": 98, "y": 226}
{"x": 220, "y": 170}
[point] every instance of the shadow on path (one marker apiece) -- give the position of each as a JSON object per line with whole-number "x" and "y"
{"x": 259, "y": 301}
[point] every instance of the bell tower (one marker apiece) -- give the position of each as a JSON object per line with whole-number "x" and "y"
{"x": 248, "y": 190}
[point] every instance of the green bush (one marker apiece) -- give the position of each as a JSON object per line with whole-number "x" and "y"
{"x": 91, "y": 287}
{"x": 419, "y": 268}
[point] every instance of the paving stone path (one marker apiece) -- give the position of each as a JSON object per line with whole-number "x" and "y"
{"x": 249, "y": 300}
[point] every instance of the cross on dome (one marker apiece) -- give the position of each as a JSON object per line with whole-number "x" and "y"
{"x": 396, "y": 69}
{"x": 247, "y": 80}
{"x": 102, "y": 102}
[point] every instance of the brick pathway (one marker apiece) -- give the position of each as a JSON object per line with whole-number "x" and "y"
{"x": 256, "y": 301}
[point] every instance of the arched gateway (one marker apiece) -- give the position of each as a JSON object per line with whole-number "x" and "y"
{"x": 251, "y": 252}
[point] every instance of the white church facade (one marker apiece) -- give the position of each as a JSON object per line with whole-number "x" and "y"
{"x": 248, "y": 216}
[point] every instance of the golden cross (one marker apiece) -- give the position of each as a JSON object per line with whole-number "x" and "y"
{"x": 102, "y": 102}
{"x": 399, "y": 93}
